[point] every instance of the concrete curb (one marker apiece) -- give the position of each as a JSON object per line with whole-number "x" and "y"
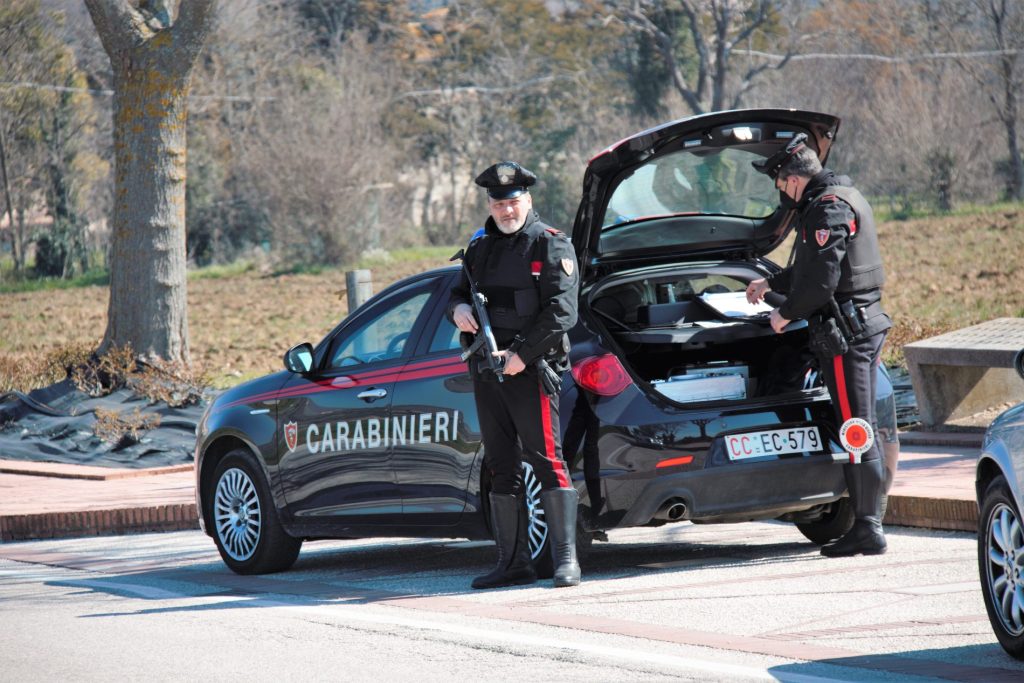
{"x": 50, "y": 525}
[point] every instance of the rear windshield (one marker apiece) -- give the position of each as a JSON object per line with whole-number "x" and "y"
{"x": 704, "y": 181}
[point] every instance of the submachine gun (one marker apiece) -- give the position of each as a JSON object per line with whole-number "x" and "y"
{"x": 484, "y": 338}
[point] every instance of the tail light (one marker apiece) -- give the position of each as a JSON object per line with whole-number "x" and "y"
{"x": 601, "y": 375}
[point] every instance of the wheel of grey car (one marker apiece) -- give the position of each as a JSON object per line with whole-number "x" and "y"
{"x": 246, "y": 526}
{"x": 1001, "y": 565}
{"x": 832, "y": 525}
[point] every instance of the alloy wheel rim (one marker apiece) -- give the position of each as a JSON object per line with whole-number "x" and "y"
{"x": 237, "y": 514}
{"x": 537, "y": 525}
{"x": 1005, "y": 574}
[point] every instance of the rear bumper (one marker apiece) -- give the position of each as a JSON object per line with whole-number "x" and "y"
{"x": 749, "y": 492}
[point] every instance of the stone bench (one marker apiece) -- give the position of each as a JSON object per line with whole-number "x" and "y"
{"x": 967, "y": 371}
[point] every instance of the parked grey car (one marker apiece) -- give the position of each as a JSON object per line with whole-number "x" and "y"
{"x": 1000, "y": 490}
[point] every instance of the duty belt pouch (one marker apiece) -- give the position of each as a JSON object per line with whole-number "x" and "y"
{"x": 853, "y": 319}
{"x": 826, "y": 339}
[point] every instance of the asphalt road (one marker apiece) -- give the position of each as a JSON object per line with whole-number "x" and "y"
{"x": 734, "y": 602}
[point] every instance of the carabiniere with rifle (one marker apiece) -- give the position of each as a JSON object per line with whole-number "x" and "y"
{"x": 485, "y": 345}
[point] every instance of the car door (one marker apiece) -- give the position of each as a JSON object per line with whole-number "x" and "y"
{"x": 434, "y": 399}
{"x": 336, "y": 460}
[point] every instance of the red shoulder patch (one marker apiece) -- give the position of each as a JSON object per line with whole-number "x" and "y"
{"x": 553, "y": 231}
{"x": 828, "y": 198}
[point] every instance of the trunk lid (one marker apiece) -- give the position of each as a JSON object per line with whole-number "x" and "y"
{"x": 686, "y": 189}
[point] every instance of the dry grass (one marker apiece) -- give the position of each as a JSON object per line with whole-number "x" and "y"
{"x": 240, "y": 326}
{"x": 943, "y": 274}
{"x": 122, "y": 428}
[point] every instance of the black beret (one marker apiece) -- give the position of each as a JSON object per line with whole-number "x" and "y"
{"x": 506, "y": 180}
{"x": 774, "y": 163}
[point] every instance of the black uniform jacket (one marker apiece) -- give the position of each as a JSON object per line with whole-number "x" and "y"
{"x": 836, "y": 254}
{"x": 531, "y": 281}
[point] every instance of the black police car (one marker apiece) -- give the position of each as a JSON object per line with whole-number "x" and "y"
{"x": 682, "y": 405}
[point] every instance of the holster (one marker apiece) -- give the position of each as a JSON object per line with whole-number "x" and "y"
{"x": 826, "y": 340}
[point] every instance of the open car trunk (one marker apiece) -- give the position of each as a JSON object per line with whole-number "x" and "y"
{"x": 688, "y": 334}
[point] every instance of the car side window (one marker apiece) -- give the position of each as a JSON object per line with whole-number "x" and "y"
{"x": 446, "y": 337}
{"x": 383, "y": 336}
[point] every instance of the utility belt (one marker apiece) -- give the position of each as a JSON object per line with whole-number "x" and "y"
{"x": 841, "y": 324}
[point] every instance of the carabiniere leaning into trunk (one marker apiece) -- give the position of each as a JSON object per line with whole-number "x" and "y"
{"x": 527, "y": 275}
{"x": 835, "y": 283}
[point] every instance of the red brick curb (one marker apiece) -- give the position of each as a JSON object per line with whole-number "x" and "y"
{"x": 932, "y": 513}
{"x": 959, "y": 439}
{"x": 63, "y": 471}
{"x": 98, "y": 522}
{"x": 910, "y": 511}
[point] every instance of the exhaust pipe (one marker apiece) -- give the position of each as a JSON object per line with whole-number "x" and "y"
{"x": 671, "y": 511}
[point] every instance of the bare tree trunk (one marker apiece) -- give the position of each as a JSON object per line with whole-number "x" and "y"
{"x": 20, "y": 246}
{"x": 1009, "y": 115}
{"x": 716, "y": 28}
{"x": 1007, "y": 22}
{"x": 7, "y": 197}
{"x": 152, "y": 61}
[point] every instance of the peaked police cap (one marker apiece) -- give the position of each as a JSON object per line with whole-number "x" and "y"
{"x": 774, "y": 163}
{"x": 506, "y": 180}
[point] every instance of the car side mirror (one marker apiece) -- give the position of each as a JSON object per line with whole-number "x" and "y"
{"x": 299, "y": 358}
{"x": 1018, "y": 363}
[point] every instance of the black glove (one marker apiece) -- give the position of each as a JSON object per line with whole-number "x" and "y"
{"x": 550, "y": 380}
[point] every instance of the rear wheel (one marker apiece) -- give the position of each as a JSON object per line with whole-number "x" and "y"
{"x": 1001, "y": 565}
{"x": 832, "y": 525}
{"x": 246, "y": 526}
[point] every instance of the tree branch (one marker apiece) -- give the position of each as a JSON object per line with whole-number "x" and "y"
{"x": 701, "y": 45}
{"x": 196, "y": 20}
{"x": 120, "y": 26}
{"x": 762, "y": 16}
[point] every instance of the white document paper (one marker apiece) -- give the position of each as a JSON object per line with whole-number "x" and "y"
{"x": 685, "y": 388}
{"x": 734, "y": 304}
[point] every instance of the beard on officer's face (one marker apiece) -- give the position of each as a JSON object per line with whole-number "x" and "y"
{"x": 509, "y": 225}
{"x": 510, "y": 215}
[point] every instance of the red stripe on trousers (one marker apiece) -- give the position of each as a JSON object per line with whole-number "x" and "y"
{"x": 844, "y": 400}
{"x": 549, "y": 439}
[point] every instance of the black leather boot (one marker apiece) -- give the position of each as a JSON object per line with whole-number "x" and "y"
{"x": 508, "y": 520}
{"x": 865, "y": 538}
{"x": 560, "y": 512}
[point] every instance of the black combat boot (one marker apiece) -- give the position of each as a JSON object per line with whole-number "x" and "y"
{"x": 508, "y": 520}
{"x": 560, "y": 512}
{"x": 865, "y": 483}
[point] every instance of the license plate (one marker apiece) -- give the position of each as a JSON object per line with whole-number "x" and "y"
{"x": 773, "y": 442}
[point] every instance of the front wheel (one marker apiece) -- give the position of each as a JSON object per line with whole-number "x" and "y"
{"x": 537, "y": 529}
{"x": 832, "y": 525}
{"x": 537, "y": 525}
{"x": 247, "y": 530}
{"x": 1000, "y": 565}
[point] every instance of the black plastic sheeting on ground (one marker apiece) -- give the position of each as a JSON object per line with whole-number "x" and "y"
{"x": 56, "y": 423}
